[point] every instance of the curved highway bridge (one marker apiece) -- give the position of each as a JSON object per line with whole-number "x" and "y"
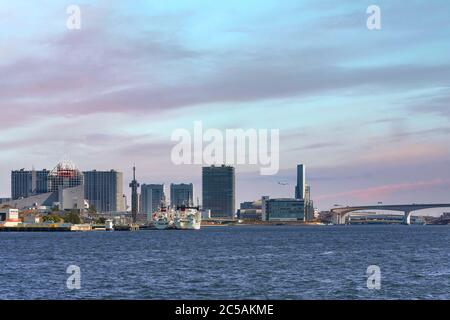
{"x": 339, "y": 214}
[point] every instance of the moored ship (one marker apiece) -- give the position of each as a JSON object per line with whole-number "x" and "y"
{"x": 188, "y": 218}
{"x": 163, "y": 218}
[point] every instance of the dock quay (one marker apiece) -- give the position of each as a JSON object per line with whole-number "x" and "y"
{"x": 130, "y": 227}
{"x": 35, "y": 229}
{"x": 63, "y": 227}
{"x": 38, "y": 228}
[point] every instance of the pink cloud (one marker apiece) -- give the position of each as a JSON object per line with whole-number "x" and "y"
{"x": 375, "y": 193}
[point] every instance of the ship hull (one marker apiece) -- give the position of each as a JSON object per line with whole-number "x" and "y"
{"x": 161, "y": 225}
{"x": 189, "y": 225}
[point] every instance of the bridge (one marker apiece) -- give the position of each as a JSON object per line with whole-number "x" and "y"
{"x": 339, "y": 214}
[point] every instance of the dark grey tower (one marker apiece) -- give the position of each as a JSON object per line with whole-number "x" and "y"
{"x": 134, "y": 185}
{"x": 219, "y": 191}
{"x": 301, "y": 183}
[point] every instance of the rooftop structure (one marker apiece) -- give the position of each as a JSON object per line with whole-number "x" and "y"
{"x": 64, "y": 175}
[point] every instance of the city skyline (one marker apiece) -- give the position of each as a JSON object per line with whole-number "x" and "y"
{"x": 366, "y": 111}
{"x": 300, "y": 171}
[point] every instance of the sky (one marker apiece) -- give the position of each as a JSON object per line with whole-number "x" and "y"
{"x": 367, "y": 111}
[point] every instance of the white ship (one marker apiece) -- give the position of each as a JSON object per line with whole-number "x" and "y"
{"x": 161, "y": 223}
{"x": 163, "y": 218}
{"x": 188, "y": 218}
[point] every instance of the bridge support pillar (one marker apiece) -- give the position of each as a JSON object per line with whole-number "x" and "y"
{"x": 407, "y": 218}
{"x": 335, "y": 219}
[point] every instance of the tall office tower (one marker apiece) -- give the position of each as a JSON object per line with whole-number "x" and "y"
{"x": 309, "y": 205}
{"x": 104, "y": 190}
{"x": 219, "y": 191}
{"x": 307, "y": 193}
{"x": 151, "y": 197}
{"x": 64, "y": 175}
{"x": 134, "y": 185}
{"x": 181, "y": 194}
{"x": 301, "y": 184}
{"x": 25, "y": 183}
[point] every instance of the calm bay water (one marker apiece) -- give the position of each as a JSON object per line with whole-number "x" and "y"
{"x": 246, "y": 262}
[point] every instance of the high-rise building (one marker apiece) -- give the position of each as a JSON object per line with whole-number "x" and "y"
{"x": 219, "y": 191}
{"x": 181, "y": 194}
{"x": 62, "y": 187}
{"x": 134, "y": 185}
{"x": 25, "y": 183}
{"x": 300, "y": 189}
{"x": 104, "y": 190}
{"x": 309, "y": 205}
{"x": 151, "y": 197}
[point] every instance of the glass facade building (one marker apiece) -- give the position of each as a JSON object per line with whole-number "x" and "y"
{"x": 104, "y": 190}
{"x": 300, "y": 189}
{"x": 151, "y": 197}
{"x": 26, "y": 183}
{"x": 218, "y": 184}
{"x": 181, "y": 194}
{"x": 283, "y": 209}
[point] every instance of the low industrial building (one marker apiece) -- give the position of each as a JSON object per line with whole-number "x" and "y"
{"x": 250, "y": 211}
{"x": 9, "y": 217}
{"x": 32, "y": 218}
{"x": 4, "y": 200}
{"x": 283, "y": 209}
{"x": 65, "y": 199}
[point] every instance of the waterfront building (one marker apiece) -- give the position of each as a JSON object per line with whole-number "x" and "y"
{"x": 250, "y": 214}
{"x": 9, "y": 217}
{"x": 301, "y": 182}
{"x": 64, "y": 199}
{"x": 25, "y": 183}
{"x": 219, "y": 191}
{"x": 303, "y": 192}
{"x": 181, "y": 194}
{"x": 250, "y": 210}
{"x": 283, "y": 209}
{"x": 249, "y": 205}
{"x": 104, "y": 190}
{"x": 309, "y": 205}
{"x": 151, "y": 197}
{"x": 62, "y": 187}
{"x": 4, "y": 200}
{"x": 32, "y": 218}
